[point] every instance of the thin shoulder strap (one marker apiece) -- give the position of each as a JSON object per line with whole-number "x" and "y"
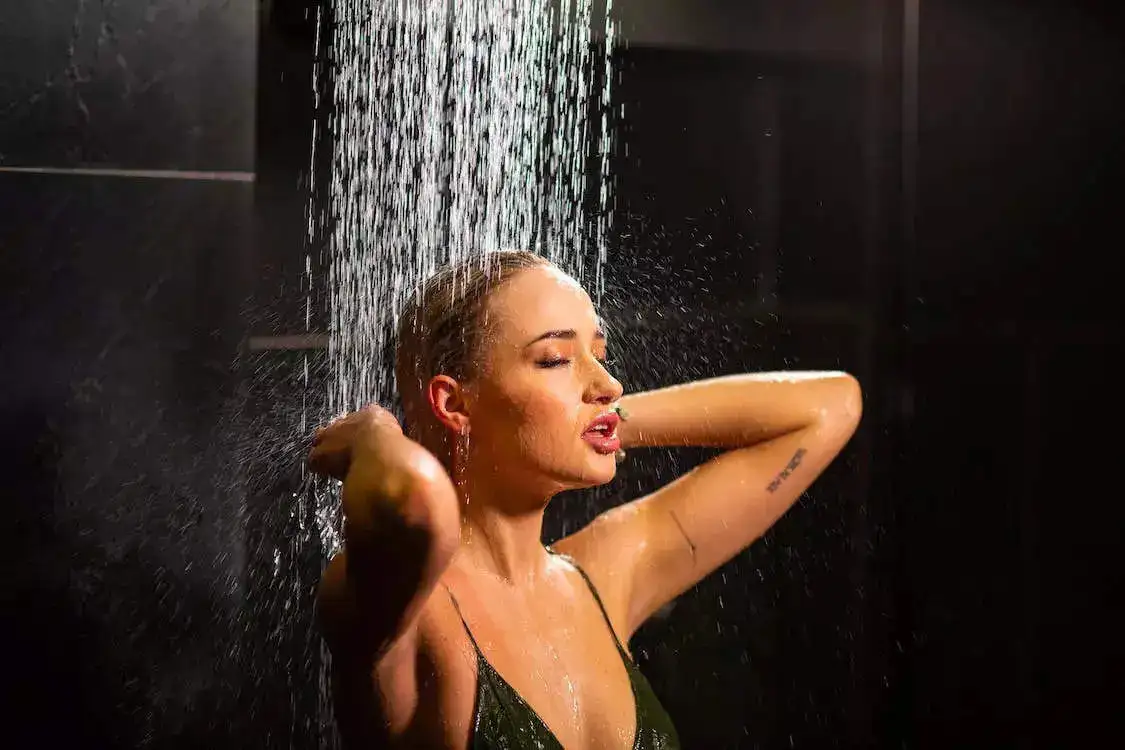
{"x": 464, "y": 624}
{"x": 594, "y": 591}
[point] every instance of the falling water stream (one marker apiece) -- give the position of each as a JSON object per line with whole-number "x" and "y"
{"x": 457, "y": 127}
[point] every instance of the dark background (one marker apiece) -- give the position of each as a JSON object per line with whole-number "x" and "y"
{"x": 921, "y": 192}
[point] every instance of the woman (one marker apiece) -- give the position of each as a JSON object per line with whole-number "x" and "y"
{"x": 450, "y": 624}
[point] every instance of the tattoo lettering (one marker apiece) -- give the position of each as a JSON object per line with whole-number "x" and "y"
{"x": 789, "y": 468}
{"x": 680, "y": 526}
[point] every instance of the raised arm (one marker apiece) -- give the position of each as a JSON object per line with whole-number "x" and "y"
{"x": 783, "y": 430}
{"x": 401, "y": 523}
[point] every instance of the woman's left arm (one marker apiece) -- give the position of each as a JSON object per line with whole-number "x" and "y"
{"x": 783, "y": 429}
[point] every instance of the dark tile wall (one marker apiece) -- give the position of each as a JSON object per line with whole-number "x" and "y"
{"x": 152, "y": 85}
{"x": 123, "y": 301}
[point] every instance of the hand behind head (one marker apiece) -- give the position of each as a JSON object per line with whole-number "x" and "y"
{"x": 332, "y": 445}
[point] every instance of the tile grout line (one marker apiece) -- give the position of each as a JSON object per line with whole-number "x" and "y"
{"x": 144, "y": 174}
{"x": 291, "y": 342}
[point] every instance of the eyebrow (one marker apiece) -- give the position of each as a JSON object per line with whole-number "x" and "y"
{"x": 568, "y": 334}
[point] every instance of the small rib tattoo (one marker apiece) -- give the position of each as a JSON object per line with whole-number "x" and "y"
{"x": 789, "y": 468}
{"x": 680, "y": 526}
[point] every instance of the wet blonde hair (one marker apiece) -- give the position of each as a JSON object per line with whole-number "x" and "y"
{"x": 441, "y": 328}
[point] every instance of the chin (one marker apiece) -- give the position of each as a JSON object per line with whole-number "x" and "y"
{"x": 565, "y": 481}
{"x": 597, "y": 471}
{"x": 580, "y": 474}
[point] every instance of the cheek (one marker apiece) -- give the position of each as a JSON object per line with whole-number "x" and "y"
{"x": 537, "y": 416}
{"x": 550, "y": 415}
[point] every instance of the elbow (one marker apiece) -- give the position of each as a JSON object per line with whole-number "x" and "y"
{"x": 421, "y": 528}
{"x": 408, "y": 504}
{"x": 844, "y": 409}
{"x": 431, "y": 506}
{"x": 852, "y": 400}
{"x": 443, "y": 524}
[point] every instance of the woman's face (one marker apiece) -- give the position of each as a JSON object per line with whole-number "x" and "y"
{"x": 541, "y": 385}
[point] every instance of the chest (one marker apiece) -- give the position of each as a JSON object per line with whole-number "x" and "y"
{"x": 554, "y": 662}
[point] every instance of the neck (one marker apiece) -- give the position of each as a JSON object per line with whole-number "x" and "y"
{"x": 502, "y": 542}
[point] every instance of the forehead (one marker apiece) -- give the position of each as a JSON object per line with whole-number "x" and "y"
{"x": 538, "y": 300}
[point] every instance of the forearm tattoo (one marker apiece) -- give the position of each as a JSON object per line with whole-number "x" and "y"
{"x": 789, "y": 469}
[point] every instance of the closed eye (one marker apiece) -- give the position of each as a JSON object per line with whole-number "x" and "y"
{"x": 548, "y": 363}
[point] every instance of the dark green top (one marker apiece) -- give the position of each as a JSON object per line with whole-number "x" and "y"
{"x": 502, "y": 720}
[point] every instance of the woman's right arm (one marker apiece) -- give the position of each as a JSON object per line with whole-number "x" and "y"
{"x": 401, "y": 529}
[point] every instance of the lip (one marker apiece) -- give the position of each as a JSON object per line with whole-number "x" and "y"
{"x": 603, "y": 441}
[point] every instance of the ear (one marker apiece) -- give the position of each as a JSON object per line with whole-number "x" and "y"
{"x": 448, "y": 401}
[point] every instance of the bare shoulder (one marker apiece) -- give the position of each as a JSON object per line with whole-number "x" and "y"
{"x": 606, "y": 550}
{"x": 419, "y": 693}
{"x": 437, "y": 712}
{"x": 445, "y": 653}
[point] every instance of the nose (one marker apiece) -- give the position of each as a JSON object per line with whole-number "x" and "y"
{"x": 603, "y": 388}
